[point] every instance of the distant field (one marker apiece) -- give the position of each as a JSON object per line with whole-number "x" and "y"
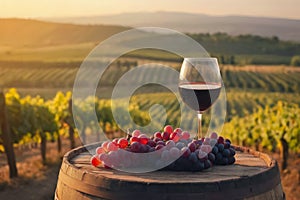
{"x": 61, "y": 53}
{"x": 46, "y": 78}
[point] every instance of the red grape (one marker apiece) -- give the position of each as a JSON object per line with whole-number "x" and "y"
{"x": 178, "y": 130}
{"x": 115, "y": 141}
{"x": 112, "y": 146}
{"x": 174, "y": 152}
{"x": 157, "y": 139}
{"x": 104, "y": 145}
{"x": 206, "y": 148}
{"x": 202, "y": 155}
{"x": 175, "y": 136}
{"x": 100, "y": 150}
{"x": 221, "y": 140}
{"x": 214, "y": 135}
{"x": 134, "y": 139}
{"x": 168, "y": 129}
{"x": 158, "y": 135}
{"x": 170, "y": 144}
{"x": 136, "y": 133}
{"x": 166, "y": 136}
{"x": 185, "y": 135}
{"x": 143, "y": 139}
{"x": 123, "y": 143}
{"x": 186, "y": 152}
{"x": 206, "y": 141}
{"x": 103, "y": 157}
{"x": 95, "y": 161}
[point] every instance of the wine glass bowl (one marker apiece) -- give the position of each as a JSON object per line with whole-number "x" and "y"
{"x": 200, "y": 84}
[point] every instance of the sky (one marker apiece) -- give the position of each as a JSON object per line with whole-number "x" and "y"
{"x": 66, "y": 8}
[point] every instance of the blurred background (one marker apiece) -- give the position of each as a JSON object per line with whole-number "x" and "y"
{"x": 43, "y": 43}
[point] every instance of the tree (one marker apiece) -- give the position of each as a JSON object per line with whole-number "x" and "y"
{"x": 295, "y": 61}
{"x": 6, "y": 136}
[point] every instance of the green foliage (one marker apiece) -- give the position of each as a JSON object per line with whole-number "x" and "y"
{"x": 266, "y": 127}
{"x": 295, "y": 61}
{"x": 248, "y": 49}
{"x": 252, "y": 118}
{"x": 28, "y": 117}
{"x": 223, "y": 43}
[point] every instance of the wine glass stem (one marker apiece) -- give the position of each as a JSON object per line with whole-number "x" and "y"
{"x": 199, "y": 116}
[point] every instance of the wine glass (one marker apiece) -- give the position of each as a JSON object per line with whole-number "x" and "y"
{"x": 200, "y": 84}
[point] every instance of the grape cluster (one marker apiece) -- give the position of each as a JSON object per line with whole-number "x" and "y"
{"x": 172, "y": 146}
{"x": 223, "y": 152}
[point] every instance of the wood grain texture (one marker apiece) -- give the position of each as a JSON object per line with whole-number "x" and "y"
{"x": 254, "y": 176}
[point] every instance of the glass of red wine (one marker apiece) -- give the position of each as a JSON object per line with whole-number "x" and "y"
{"x": 200, "y": 84}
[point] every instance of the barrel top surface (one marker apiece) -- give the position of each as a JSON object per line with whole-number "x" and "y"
{"x": 248, "y": 163}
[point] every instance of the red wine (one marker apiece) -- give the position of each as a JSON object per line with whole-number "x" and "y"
{"x": 199, "y": 96}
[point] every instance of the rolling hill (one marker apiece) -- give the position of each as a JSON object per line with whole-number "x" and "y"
{"x": 34, "y": 40}
{"x": 285, "y": 29}
{"x": 34, "y": 33}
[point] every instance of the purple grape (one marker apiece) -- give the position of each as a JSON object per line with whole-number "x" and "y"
{"x": 215, "y": 150}
{"x": 172, "y": 166}
{"x": 226, "y": 153}
{"x": 193, "y": 157}
{"x": 220, "y": 147}
{"x": 226, "y": 145}
{"x": 157, "y": 139}
{"x": 224, "y": 161}
{"x": 180, "y": 145}
{"x": 151, "y": 143}
{"x": 161, "y": 143}
{"x": 198, "y": 166}
{"x": 180, "y": 164}
{"x": 135, "y": 147}
{"x": 211, "y": 157}
{"x": 185, "y": 152}
{"x": 159, "y": 146}
{"x": 227, "y": 140}
{"x": 197, "y": 151}
{"x": 197, "y": 143}
{"x": 231, "y": 160}
{"x": 185, "y": 142}
{"x": 232, "y": 151}
{"x": 207, "y": 164}
{"x": 218, "y": 157}
{"x": 192, "y": 146}
{"x": 151, "y": 149}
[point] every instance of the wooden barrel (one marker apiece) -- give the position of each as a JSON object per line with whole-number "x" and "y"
{"x": 254, "y": 176}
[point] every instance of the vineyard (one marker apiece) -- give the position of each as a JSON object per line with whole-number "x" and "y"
{"x": 262, "y": 111}
{"x": 45, "y": 79}
{"x": 34, "y": 120}
{"x": 262, "y": 106}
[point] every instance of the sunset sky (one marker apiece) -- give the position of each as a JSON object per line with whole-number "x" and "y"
{"x": 64, "y": 8}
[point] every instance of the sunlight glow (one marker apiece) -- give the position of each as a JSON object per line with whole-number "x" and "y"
{"x": 58, "y": 8}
